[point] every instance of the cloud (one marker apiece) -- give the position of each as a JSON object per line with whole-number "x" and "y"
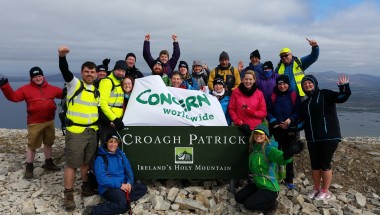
{"x": 33, "y": 30}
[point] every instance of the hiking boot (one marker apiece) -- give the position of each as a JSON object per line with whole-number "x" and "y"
{"x": 313, "y": 193}
{"x": 87, "y": 190}
{"x": 68, "y": 201}
{"x": 87, "y": 211}
{"x": 28, "y": 171}
{"x": 50, "y": 166}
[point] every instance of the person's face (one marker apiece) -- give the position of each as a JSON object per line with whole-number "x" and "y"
{"x": 248, "y": 81}
{"x": 120, "y": 73}
{"x": 88, "y": 75}
{"x": 38, "y": 79}
{"x": 164, "y": 58}
{"x": 127, "y": 85}
{"x": 283, "y": 86}
{"x": 157, "y": 69}
{"x": 183, "y": 70}
{"x": 101, "y": 74}
{"x": 176, "y": 81}
{"x": 130, "y": 61}
{"x": 255, "y": 60}
{"x": 258, "y": 137}
{"x": 218, "y": 88}
{"x": 197, "y": 69}
{"x": 307, "y": 86}
{"x": 112, "y": 145}
{"x": 224, "y": 62}
{"x": 286, "y": 58}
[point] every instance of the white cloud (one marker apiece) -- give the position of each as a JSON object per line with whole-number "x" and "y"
{"x": 33, "y": 30}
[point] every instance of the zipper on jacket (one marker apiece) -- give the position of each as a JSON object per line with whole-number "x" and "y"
{"x": 308, "y": 111}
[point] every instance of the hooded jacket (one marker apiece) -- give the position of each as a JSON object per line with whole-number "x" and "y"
{"x": 113, "y": 175}
{"x": 283, "y": 108}
{"x": 318, "y": 112}
{"x": 262, "y": 165}
{"x": 40, "y": 105}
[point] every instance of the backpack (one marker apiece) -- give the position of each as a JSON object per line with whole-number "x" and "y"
{"x": 293, "y": 96}
{"x": 64, "y": 106}
{"x": 230, "y": 79}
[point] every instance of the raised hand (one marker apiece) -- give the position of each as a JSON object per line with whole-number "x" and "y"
{"x": 240, "y": 66}
{"x": 312, "y": 42}
{"x": 3, "y": 81}
{"x": 343, "y": 79}
{"x": 63, "y": 51}
{"x": 174, "y": 37}
{"x": 147, "y": 37}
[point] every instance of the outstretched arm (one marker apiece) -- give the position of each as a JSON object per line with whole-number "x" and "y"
{"x": 176, "y": 52}
{"x": 146, "y": 51}
{"x": 63, "y": 65}
{"x": 344, "y": 89}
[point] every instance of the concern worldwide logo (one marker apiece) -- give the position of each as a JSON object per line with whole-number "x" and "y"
{"x": 184, "y": 155}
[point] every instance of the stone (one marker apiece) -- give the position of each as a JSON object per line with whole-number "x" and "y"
{"x": 172, "y": 194}
{"x": 186, "y": 204}
{"x": 360, "y": 200}
{"x": 27, "y": 208}
{"x": 158, "y": 203}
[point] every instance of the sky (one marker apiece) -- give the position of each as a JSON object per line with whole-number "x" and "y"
{"x": 347, "y": 31}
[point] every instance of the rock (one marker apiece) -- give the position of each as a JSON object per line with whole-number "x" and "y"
{"x": 285, "y": 206}
{"x": 172, "y": 194}
{"x": 186, "y": 204}
{"x": 360, "y": 200}
{"x": 159, "y": 203}
{"x": 27, "y": 208}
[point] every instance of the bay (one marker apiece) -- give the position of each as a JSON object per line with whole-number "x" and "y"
{"x": 353, "y": 124}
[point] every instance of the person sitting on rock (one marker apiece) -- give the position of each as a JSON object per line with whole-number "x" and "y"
{"x": 115, "y": 179}
{"x": 39, "y": 96}
{"x": 262, "y": 193}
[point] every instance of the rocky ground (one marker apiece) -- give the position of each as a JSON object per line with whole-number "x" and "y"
{"x": 356, "y": 185}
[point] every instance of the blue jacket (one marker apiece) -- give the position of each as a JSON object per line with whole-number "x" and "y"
{"x": 190, "y": 84}
{"x": 117, "y": 172}
{"x": 283, "y": 107}
{"x": 306, "y": 61}
{"x": 257, "y": 69}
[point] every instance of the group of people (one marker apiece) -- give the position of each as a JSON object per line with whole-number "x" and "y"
{"x": 271, "y": 104}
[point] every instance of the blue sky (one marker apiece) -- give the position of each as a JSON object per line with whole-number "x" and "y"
{"x": 347, "y": 31}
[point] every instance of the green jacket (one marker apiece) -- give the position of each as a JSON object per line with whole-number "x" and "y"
{"x": 263, "y": 166}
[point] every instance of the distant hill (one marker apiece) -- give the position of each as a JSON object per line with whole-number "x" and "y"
{"x": 365, "y": 89}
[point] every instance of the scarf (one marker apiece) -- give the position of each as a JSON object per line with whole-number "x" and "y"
{"x": 248, "y": 92}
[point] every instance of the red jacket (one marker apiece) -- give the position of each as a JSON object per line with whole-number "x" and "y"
{"x": 247, "y": 109}
{"x": 39, "y": 100}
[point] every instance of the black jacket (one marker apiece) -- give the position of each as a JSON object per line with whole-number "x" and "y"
{"x": 319, "y": 114}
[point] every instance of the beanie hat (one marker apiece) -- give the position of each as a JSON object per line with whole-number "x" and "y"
{"x": 282, "y": 79}
{"x": 262, "y": 129}
{"x": 197, "y": 63}
{"x": 183, "y": 64}
{"x": 35, "y": 71}
{"x": 255, "y": 53}
{"x": 129, "y": 55}
{"x": 218, "y": 81}
{"x": 268, "y": 64}
{"x": 157, "y": 61}
{"x": 112, "y": 135}
{"x": 310, "y": 78}
{"x": 101, "y": 68}
{"x": 224, "y": 56}
{"x": 120, "y": 64}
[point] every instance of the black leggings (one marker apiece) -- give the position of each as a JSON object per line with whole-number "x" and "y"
{"x": 321, "y": 154}
{"x": 256, "y": 199}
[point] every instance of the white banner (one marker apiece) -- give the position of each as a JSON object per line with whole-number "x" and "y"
{"x": 153, "y": 104}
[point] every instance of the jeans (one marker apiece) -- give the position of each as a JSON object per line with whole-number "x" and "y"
{"x": 116, "y": 203}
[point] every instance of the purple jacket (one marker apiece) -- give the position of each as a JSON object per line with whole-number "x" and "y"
{"x": 266, "y": 85}
{"x": 170, "y": 65}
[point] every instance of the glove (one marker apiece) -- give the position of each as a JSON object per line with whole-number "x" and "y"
{"x": 3, "y": 81}
{"x": 274, "y": 123}
{"x": 118, "y": 124}
{"x": 245, "y": 129}
{"x": 288, "y": 154}
{"x": 106, "y": 62}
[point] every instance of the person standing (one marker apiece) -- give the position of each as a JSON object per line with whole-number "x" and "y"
{"x": 227, "y": 72}
{"x": 295, "y": 67}
{"x": 200, "y": 73}
{"x": 322, "y": 130}
{"x": 157, "y": 69}
{"x": 247, "y": 103}
{"x": 39, "y": 96}
{"x": 81, "y": 123}
{"x": 168, "y": 65}
{"x": 188, "y": 82}
{"x": 132, "y": 70}
{"x": 112, "y": 99}
{"x": 254, "y": 65}
{"x": 266, "y": 79}
{"x": 283, "y": 113}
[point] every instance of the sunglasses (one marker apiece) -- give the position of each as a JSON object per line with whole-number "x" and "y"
{"x": 284, "y": 56}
